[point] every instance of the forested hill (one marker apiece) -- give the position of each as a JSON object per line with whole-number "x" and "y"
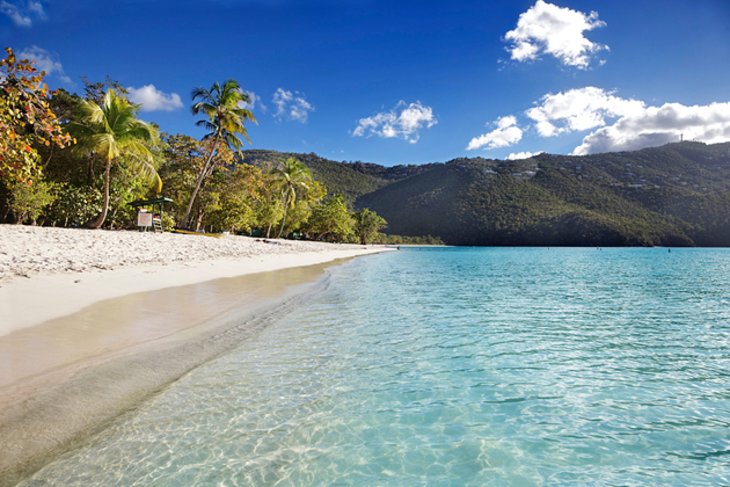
{"x": 349, "y": 179}
{"x": 676, "y": 195}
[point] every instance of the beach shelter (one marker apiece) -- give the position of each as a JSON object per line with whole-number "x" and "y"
{"x": 149, "y": 213}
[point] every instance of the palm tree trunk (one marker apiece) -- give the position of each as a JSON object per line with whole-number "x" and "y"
{"x": 283, "y": 218}
{"x": 199, "y": 182}
{"x": 105, "y": 208}
{"x": 283, "y": 221}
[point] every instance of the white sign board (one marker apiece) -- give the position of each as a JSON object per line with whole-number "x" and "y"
{"x": 144, "y": 219}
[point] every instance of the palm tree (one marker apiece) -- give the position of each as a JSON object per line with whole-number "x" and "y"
{"x": 293, "y": 177}
{"x": 112, "y": 131}
{"x": 225, "y": 117}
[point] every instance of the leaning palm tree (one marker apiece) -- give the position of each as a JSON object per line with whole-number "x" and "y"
{"x": 112, "y": 132}
{"x": 223, "y": 107}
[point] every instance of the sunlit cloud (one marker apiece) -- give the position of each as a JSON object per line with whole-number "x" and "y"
{"x": 505, "y": 134}
{"x": 404, "y": 121}
{"x": 153, "y": 100}
{"x": 548, "y": 29}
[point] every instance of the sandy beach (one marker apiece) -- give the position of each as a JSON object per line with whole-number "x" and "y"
{"x": 92, "y": 322}
{"x": 68, "y": 269}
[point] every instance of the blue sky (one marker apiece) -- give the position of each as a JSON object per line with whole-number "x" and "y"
{"x": 407, "y": 81}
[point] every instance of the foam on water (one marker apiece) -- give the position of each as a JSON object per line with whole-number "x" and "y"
{"x": 455, "y": 367}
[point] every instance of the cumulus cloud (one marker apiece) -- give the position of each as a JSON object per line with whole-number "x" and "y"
{"x": 654, "y": 126}
{"x": 515, "y": 156}
{"x": 557, "y": 31}
{"x": 291, "y": 105}
{"x": 45, "y": 61}
{"x": 505, "y": 134}
{"x": 404, "y": 121}
{"x": 579, "y": 109}
{"x": 153, "y": 100}
{"x": 22, "y": 13}
{"x": 613, "y": 123}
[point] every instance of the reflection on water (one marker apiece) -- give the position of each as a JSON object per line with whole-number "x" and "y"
{"x": 455, "y": 367}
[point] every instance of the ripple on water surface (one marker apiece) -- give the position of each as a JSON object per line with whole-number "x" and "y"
{"x": 455, "y": 367}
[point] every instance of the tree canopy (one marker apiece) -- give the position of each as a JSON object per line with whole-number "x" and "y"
{"x": 112, "y": 133}
{"x": 26, "y": 120}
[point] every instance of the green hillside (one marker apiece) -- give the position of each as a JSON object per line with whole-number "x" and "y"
{"x": 351, "y": 180}
{"x": 676, "y": 195}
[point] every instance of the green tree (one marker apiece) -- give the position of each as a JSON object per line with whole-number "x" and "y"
{"x": 110, "y": 131}
{"x": 367, "y": 225}
{"x": 183, "y": 158}
{"x": 224, "y": 120}
{"x": 29, "y": 200}
{"x": 269, "y": 210}
{"x": 294, "y": 178}
{"x": 74, "y": 205}
{"x": 237, "y": 192}
{"x": 298, "y": 215}
{"x": 331, "y": 220}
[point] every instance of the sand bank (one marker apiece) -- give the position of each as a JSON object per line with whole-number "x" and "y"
{"x": 81, "y": 346}
{"x": 46, "y": 273}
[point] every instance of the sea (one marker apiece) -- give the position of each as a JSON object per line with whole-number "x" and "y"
{"x": 453, "y": 366}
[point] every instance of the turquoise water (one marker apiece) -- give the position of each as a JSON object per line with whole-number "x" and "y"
{"x": 455, "y": 367}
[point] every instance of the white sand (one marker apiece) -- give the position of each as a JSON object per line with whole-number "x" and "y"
{"x": 93, "y": 322}
{"x": 46, "y": 273}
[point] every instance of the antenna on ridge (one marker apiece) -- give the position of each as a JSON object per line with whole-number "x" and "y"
{"x": 681, "y": 137}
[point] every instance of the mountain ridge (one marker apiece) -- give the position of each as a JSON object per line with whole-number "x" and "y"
{"x": 677, "y": 195}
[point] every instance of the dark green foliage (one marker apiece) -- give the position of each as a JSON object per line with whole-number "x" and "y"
{"x": 74, "y": 205}
{"x": 348, "y": 179}
{"x": 386, "y": 239}
{"x": 677, "y": 195}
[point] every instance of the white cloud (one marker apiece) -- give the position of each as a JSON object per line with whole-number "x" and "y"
{"x": 655, "y": 126}
{"x": 22, "y": 13}
{"x": 579, "y": 109}
{"x": 557, "y": 31}
{"x": 515, "y": 156}
{"x": 45, "y": 61}
{"x": 615, "y": 123}
{"x": 506, "y": 134}
{"x": 154, "y": 100}
{"x": 291, "y": 105}
{"x": 404, "y": 121}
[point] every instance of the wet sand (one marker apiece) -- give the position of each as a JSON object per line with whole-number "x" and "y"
{"x": 67, "y": 378}
{"x": 46, "y": 295}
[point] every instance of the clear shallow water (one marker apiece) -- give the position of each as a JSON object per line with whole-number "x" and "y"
{"x": 455, "y": 367}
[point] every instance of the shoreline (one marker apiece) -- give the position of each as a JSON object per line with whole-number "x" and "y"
{"x": 92, "y": 323}
{"x": 99, "y": 374}
{"x": 48, "y": 272}
{"x": 69, "y": 292}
